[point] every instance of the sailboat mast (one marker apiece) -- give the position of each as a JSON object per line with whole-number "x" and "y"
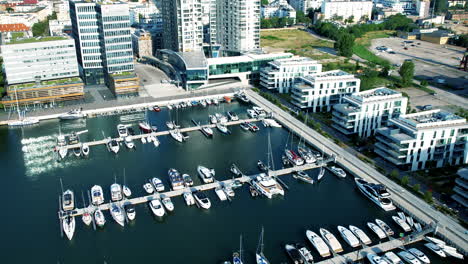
{"x": 261, "y": 247}
{"x": 240, "y": 248}
{"x": 61, "y": 184}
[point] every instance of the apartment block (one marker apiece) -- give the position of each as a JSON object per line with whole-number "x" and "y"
{"x": 278, "y": 8}
{"x": 423, "y": 140}
{"x": 363, "y": 112}
{"x": 305, "y": 5}
{"x": 346, "y": 9}
{"x": 461, "y": 188}
{"x": 280, "y": 74}
{"x": 319, "y": 92}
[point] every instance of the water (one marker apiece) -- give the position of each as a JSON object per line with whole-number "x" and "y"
{"x": 31, "y": 179}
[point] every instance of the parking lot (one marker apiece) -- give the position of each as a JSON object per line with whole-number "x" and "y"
{"x": 436, "y": 63}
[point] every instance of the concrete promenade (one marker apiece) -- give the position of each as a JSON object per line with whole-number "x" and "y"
{"x": 448, "y": 228}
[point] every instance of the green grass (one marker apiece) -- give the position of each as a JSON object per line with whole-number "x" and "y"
{"x": 15, "y": 35}
{"x": 361, "y": 47}
{"x": 32, "y": 40}
{"x": 271, "y": 38}
{"x": 122, "y": 74}
{"x": 46, "y": 83}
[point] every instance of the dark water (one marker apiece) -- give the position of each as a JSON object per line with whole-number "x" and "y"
{"x": 31, "y": 186}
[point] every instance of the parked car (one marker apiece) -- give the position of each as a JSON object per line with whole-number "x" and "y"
{"x": 426, "y": 107}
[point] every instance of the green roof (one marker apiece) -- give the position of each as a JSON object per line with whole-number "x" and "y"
{"x": 32, "y": 40}
{"x": 46, "y": 83}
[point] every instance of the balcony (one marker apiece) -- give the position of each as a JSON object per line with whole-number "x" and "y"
{"x": 298, "y": 99}
{"x": 463, "y": 183}
{"x": 385, "y": 156}
{"x": 346, "y": 131}
{"x": 461, "y": 192}
{"x": 391, "y": 152}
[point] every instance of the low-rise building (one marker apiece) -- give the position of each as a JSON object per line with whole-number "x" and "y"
{"x": 280, "y": 74}
{"x": 124, "y": 83}
{"x": 461, "y": 188}
{"x": 362, "y": 113}
{"x": 423, "y": 140}
{"x": 319, "y": 92}
{"x": 278, "y": 8}
{"x": 345, "y": 9}
{"x": 438, "y": 37}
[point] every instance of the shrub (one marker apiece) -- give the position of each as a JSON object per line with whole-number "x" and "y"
{"x": 405, "y": 180}
{"x": 428, "y": 197}
{"x": 394, "y": 174}
{"x": 417, "y": 187}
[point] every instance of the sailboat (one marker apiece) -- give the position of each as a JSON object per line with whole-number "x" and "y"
{"x": 259, "y": 256}
{"x": 22, "y": 119}
{"x": 237, "y": 256}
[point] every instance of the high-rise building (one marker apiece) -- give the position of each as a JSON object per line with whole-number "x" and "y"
{"x": 183, "y": 25}
{"x": 238, "y": 25}
{"x": 103, "y": 40}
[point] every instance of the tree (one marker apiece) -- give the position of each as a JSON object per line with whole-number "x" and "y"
{"x": 9, "y": 9}
{"x": 406, "y": 72}
{"x": 428, "y": 196}
{"x": 462, "y": 40}
{"x": 264, "y": 2}
{"x": 302, "y": 18}
{"x": 345, "y": 44}
{"x": 265, "y": 23}
{"x": 416, "y": 187}
{"x": 405, "y": 180}
{"x": 349, "y": 20}
{"x": 440, "y": 6}
{"x": 394, "y": 174}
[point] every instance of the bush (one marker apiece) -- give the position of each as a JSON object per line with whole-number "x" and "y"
{"x": 424, "y": 83}
{"x": 394, "y": 174}
{"x": 428, "y": 197}
{"x": 405, "y": 180}
{"x": 417, "y": 187}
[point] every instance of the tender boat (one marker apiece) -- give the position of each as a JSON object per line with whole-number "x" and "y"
{"x": 408, "y": 257}
{"x": 259, "y": 256}
{"x": 207, "y": 175}
{"x": 167, "y": 202}
{"x": 384, "y": 227}
{"x": 436, "y": 249}
{"x": 61, "y": 143}
{"x": 301, "y": 175}
{"x": 68, "y": 224}
{"x": 338, "y": 171}
{"x": 245, "y": 126}
{"x": 156, "y": 108}
{"x": 118, "y": 214}
{"x": 77, "y": 152}
{"x": 392, "y": 258}
{"x": 143, "y": 140}
{"x": 306, "y": 154}
{"x": 318, "y": 243}
{"x": 267, "y": 186}
{"x": 321, "y": 174}
{"x": 305, "y": 253}
{"x": 262, "y": 166}
{"x": 148, "y": 188}
{"x": 360, "y": 234}
{"x": 116, "y": 192}
{"x": 122, "y": 130}
{"x": 97, "y": 196}
{"x": 87, "y": 218}
{"x": 253, "y": 191}
{"x": 113, "y": 145}
{"x": 129, "y": 142}
{"x": 293, "y": 157}
{"x": 401, "y": 223}
{"x": 348, "y": 236}
{"x": 99, "y": 218}
{"x": 377, "y": 193}
{"x": 213, "y": 119}
{"x": 421, "y": 256}
{"x": 223, "y": 128}
{"x": 68, "y": 200}
{"x": 157, "y": 208}
{"x": 331, "y": 240}
{"x": 126, "y": 191}
{"x": 293, "y": 254}
{"x": 202, "y": 200}
{"x": 71, "y": 115}
{"x": 220, "y": 193}
{"x": 251, "y": 113}
{"x": 187, "y": 180}
{"x": 158, "y": 185}
{"x": 84, "y": 149}
{"x": 175, "y": 134}
{"x": 253, "y": 127}
{"x": 374, "y": 259}
{"x": 145, "y": 127}
{"x": 189, "y": 199}
{"x": 176, "y": 179}
{"x": 232, "y": 116}
{"x": 377, "y": 230}
{"x": 130, "y": 211}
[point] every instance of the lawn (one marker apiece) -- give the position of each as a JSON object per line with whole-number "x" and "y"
{"x": 361, "y": 46}
{"x": 295, "y": 41}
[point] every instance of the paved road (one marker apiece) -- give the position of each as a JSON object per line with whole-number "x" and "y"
{"x": 422, "y": 211}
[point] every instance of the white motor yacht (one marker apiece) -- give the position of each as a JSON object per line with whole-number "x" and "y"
{"x": 118, "y": 214}
{"x": 207, "y": 175}
{"x": 251, "y": 113}
{"x": 189, "y": 199}
{"x": 97, "y": 196}
{"x": 374, "y": 259}
{"x": 68, "y": 200}
{"x": 213, "y": 119}
{"x": 348, "y": 236}
{"x": 232, "y": 116}
{"x": 158, "y": 185}
{"x": 71, "y": 115}
{"x": 167, "y": 202}
{"x": 130, "y": 211}
{"x": 176, "y": 179}
{"x": 303, "y": 176}
{"x": 259, "y": 111}
{"x": 113, "y": 145}
{"x": 377, "y": 193}
{"x": 187, "y": 180}
{"x": 293, "y": 157}
{"x": 229, "y": 191}
{"x": 331, "y": 240}
{"x": 116, "y": 192}
{"x": 99, "y": 218}
{"x": 148, "y": 188}
{"x": 452, "y": 252}
{"x": 318, "y": 243}
{"x": 220, "y": 193}
{"x": 305, "y": 253}
{"x": 175, "y": 134}
{"x": 61, "y": 143}
{"x": 129, "y": 142}
{"x": 384, "y": 227}
{"x": 267, "y": 186}
{"x": 202, "y": 200}
{"x": 338, "y": 171}
{"x": 157, "y": 208}
{"x": 392, "y": 258}
{"x": 223, "y": 128}
{"x": 421, "y": 256}
{"x": 84, "y": 149}
{"x": 126, "y": 191}
{"x": 294, "y": 254}
{"x": 25, "y": 121}
{"x": 68, "y": 224}
{"x": 436, "y": 249}
{"x": 408, "y": 257}
{"x": 402, "y": 216}
{"x": 401, "y": 223}
{"x": 170, "y": 125}
{"x": 437, "y": 241}
{"x": 306, "y": 154}
{"x": 122, "y": 130}
{"x": 271, "y": 122}
{"x": 377, "y": 230}
{"x": 360, "y": 234}
{"x": 87, "y": 218}
{"x": 207, "y": 131}
{"x": 145, "y": 127}
{"x": 245, "y": 126}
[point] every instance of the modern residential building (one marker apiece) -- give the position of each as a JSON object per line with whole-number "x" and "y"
{"x": 319, "y": 92}
{"x": 209, "y": 20}
{"x": 183, "y": 26}
{"x": 363, "y": 112}
{"x": 238, "y": 25}
{"x": 422, "y": 8}
{"x": 280, "y": 74}
{"x": 346, "y": 9}
{"x": 278, "y": 8}
{"x": 305, "y": 5}
{"x": 103, "y": 40}
{"x": 461, "y": 188}
{"x": 460, "y": 3}
{"x": 423, "y": 140}
{"x": 39, "y": 70}
{"x": 142, "y": 43}
{"x": 400, "y": 6}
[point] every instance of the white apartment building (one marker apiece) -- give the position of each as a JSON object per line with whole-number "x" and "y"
{"x": 278, "y": 8}
{"x": 145, "y": 13}
{"x": 401, "y": 6}
{"x": 319, "y": 92}
{"x": 41, "y": 59}
{"x": 183, "y": 26}
{"x": 280, "y": 74}
{"x": 209, "y": 20}
{"x": 363, "y": 112}
{"x": 346, "y": 9}
{"x": 238, "y": 25}
{"x": 305, "y": 5}
{"x": 423, "y": 140}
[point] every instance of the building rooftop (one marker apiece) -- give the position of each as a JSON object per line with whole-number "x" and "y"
{"x": 376, "y": 92}
{"x": 194, "y": 59}
{"x": 249, "y": 57}
{"x": 431, "y": 119}
{"x": 395, "y": 133}
{"x": 13, "y": 27}
{"x": 32, "y": 40}
{"x": 329, "y": 75}
{"x": 293, "y": 61}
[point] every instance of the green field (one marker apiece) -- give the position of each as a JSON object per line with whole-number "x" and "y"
{"x": 362, "y": 44}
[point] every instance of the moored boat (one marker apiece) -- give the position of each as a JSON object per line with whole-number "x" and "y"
{"x": 130, "y": 211}
{"x": 118, "y": 214}
{"x": 408, "y": 257}
{"x": 223, "y": 128}
{"x": 113, "y": 145}
{"x": 189, "y": 199}
{"x": 418, "y": 254}
{"x": 377, "y": 230}
{"x": 122, "y": 130}
{"x": 293, "y": 157}
{"x": 87, "y": 218}
{"x": 331, "y": 240}
{"x": 61, "y": 146}
{"x": 148, "y": 188}
{"x": 116, "y": 192}
{"x": 187, "y": 180}
{"x": 99, "y": 218}
{"x": 72, "y": 115}
{"x": 126, "y": 191}
{"x": 360, "y": 234}
{"x": 97, "y": 196}
{"x": 401, "y": 223}
{"x": 68, "y": 224}
{"x": 167, "y": 202}
{"x": 235, "y": 170}
{"x": 232, "y": 116}
{"x": 377, "y": 193}
{"x": 175, "y": 134}
{"x": 318, "y": 243}
{"x": 436, "y": 249}
{"x": 253, "y": 127}
{"x": 392, "y": 258}
{"x": 306, "y": 154}
{"x": 374, "y": 259}
{"x": 305, "y": 253}
{"x": 338, "y": 171}
{"x": 262, "y": 166}
{"x": 68, "y": 200}
{"x": 303, "y": 176}
{"x": 202, "y": 200}
{"x": 384, "y": 227}
{"x": 294, "y": 254}
{"x": 158, "y": 185}
{"x": 128, "y": 141}
{"x": 145, "y": 127}
{"x": 267, "y": 186}
{"x": 244, "y": 126}
{"x": 157, "y": 208}
{"x": 348, "y": 236}
{"x": 207, "y": 175}
{"x": 220, "y": 193}
{"x": 84, "y": 149}
{"x": 176, "y": 179}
